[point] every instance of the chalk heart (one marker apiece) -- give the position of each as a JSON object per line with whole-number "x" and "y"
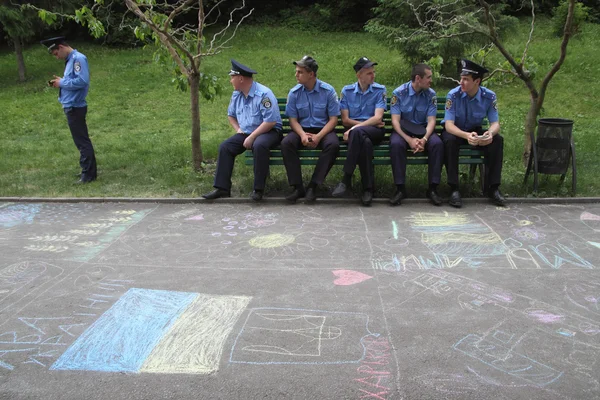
{"x": 346, "y": 277}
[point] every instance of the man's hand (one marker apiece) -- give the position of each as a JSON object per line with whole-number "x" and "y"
{"x": 414, "y": 144}
{"x": 380, "y": 124}
{"x": 56, "y": 81}
{"x": 313, "y": 141}
{"x": 420, "y": 145}
{"x": 306, "y": 138}
{"x": 486, "y": 138}
{"x": 473, "y": 139}
{"x": 248, "y": 142}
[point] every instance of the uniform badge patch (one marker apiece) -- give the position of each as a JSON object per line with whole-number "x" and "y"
{"x": 394, "y": 100}
{"x": 77, "y": 66}
{"x": 266, "y": 102}
{"x": 434, "y": 100}
{"x": 495, "y": 105}
{"x": 448, "y": 104}
{"x": 384, "y": 96}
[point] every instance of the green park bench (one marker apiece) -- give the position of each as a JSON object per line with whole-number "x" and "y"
{"x": 467, "y": 155}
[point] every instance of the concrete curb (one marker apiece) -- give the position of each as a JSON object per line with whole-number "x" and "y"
{"x": 272, "y": 200}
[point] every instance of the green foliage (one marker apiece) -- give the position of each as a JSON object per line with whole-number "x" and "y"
{"x": 580, "y": 15}
{"x": 140, "y": 126}
{"x": 421, "y": 29}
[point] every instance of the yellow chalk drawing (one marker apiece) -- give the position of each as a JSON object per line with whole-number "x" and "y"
{"x": 87, "y": 232}
{"x": 524, "y": 222}
{"x": 96, "y": 225}
{"x": 51, "y": 249}
{"x": 120, "y": 219}
{"x": 194, "y": 344}
{"x": 125, "y": 212}
{"x": 271, "y": 241}
{"x": 438, "y": 220}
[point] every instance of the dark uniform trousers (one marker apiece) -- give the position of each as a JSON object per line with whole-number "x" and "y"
{"x": 234, "y": 146}
{"x": 435, "y": 156}
{"x": 493, "y": 152}
{"x": 329, "y": 145}
{"x": 360, "y": 151}
{"x": 79, "y": 132}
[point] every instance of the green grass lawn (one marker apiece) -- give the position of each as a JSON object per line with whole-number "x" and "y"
{"x": 140, "y": 124}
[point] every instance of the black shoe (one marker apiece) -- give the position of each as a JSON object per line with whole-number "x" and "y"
{"x": 83, "y": 181}
{"x": 310, "y": 195}
{"x": 367, "y": 198}
{"x": 295, "y": 195}
{"x": 217, "y": 193}
{"x": 339, "y": 190}
{"x": 497, "y": 198}
{"x": 455, "y": 199}
{"x": 434, "y": 197}
{"x": 256, "y": 195}
{"x": 397, "y": 198}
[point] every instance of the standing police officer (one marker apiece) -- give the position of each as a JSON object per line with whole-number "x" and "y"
{"x": 362, "y": 106}
{"x": 466, "y": 107}
{"x": 73, "y": 88}
{"x": 413, "y": 109}
{"x": 313, "y": 109}
{"x": 254, "y": 116}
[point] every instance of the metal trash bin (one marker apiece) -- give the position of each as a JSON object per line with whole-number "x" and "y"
{"x": 553, "y": 150}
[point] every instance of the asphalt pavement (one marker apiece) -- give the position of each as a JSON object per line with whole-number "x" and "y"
{"x": 233, "y": 300}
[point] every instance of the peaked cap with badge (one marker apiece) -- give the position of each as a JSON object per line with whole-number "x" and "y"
{"x": 363, "y": 62}
{"x": 238, "y": 68}
{"x": 52, "y": 43}
{"x": 468, "y": 67}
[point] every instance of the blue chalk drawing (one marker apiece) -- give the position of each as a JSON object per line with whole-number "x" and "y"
{"x": 124, "y": 336}
{"x": 16, "y": 214}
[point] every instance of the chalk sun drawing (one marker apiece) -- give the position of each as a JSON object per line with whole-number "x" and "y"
{"x": 271, "y": 241}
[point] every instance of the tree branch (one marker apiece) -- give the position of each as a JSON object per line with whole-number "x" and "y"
{"x": 563, "y": 51}
{"x": 530, "y": 34}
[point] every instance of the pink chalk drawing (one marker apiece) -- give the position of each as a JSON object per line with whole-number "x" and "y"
{"x": 346, "y": 277}
{"x": 587, "y": 216}
{"x": 199, "y": 217}
{"x": 545, "y": 316}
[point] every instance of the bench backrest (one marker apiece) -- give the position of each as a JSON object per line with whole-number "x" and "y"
{"x": 387, "y": 117}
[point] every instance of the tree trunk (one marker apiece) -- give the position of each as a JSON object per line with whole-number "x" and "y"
{"x": 20, "y": 60}
{"x": 194, "y": 80}
{"x": 530, "y": 124}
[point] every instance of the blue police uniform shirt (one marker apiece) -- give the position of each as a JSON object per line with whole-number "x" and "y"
{"x": 312, "y": 108}
{"x": 361, "y": 105}
{"x": 75, "y": 82}
{"x": 468, "y": 113}
{"x": 412, "y": 106}
{"x": 260, "y": 106}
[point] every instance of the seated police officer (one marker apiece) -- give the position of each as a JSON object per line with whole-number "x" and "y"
{"x": 466, "y": 107}
{"x": 413, "y": 109}
{"x": 362, "y": 105}
{"x": 254, "y": 116}
{"x": 72, "y": 91}
{"x": 313, "y": 109}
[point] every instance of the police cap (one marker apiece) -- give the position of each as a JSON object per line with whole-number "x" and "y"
{"x": 241, "y": 69}
{"x": 410, "y": 128}
{"x": 468, "y": 67}
{"x": 53, "y": 43}
{"x": 363, "y": 62}
{"x": 307, "y": 62}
